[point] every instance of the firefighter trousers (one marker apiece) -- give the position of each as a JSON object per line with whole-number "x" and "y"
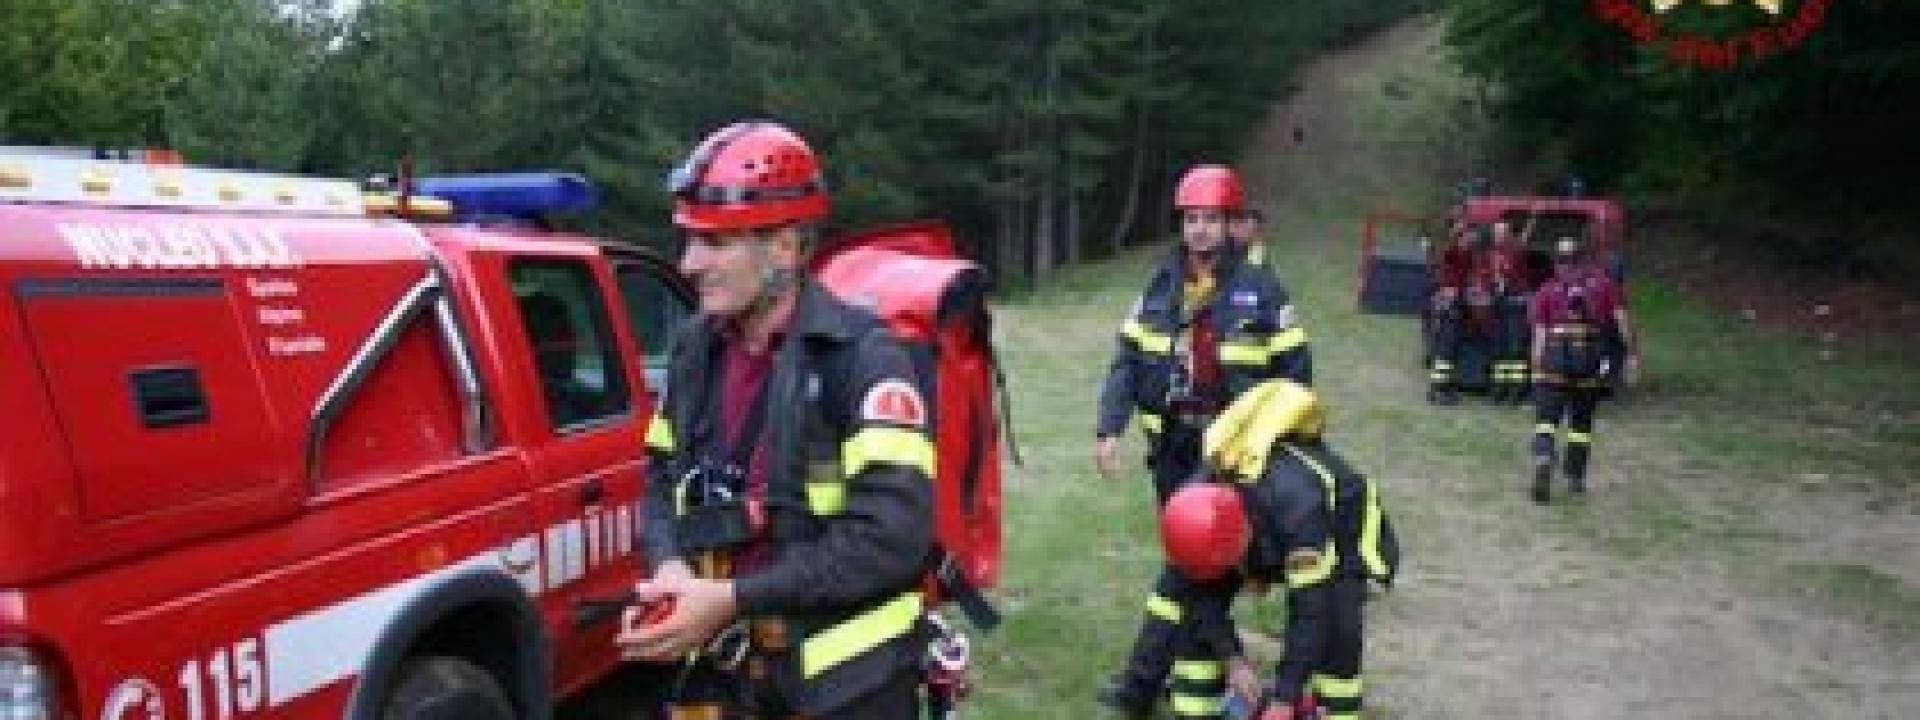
{"x": 1173, "y": 458}
{"x": 1336, "y": 679}
{"x": 1185, "y": 638}
{"x": 1512, "y": 335}
{"x": 1572, "y": 402}
{"x": 1188, "y": 636}
{"x": 1446, "y": 336}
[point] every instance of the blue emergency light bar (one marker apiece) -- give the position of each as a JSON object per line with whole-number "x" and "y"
{"x": 518, "y": 196}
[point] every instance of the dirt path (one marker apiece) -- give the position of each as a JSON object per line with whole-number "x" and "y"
{"x": 1681, "y": 589}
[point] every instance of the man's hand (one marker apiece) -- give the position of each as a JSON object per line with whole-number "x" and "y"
{"x": 641, "y": 614}
{"x": 700, "y": 609}
{"x": 1632, "y": 369}
{"x": 1277, "y": 712}
{"x": 1106, "y": 455}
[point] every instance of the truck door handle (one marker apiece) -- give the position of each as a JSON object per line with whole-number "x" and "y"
{"x": 592, "y": 491}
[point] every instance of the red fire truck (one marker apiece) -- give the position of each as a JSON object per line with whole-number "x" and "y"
{"x": 269, "y": 455}
{"x": 275, "y": 449}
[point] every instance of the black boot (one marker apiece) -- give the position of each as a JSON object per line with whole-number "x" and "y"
{"x": 1542, "y": 479}
{"x": 1576, "y": 484}
{"x": 1124, "y": 698}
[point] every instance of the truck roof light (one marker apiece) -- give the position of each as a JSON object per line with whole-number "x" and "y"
{"x": 96, "y": 181}
{"x": 26, "y": 176}
{"x": 517, "y": 196}
{"x": 418, "y": 206}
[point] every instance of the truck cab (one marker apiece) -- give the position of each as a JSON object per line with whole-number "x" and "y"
{"x": 273, "y": 450}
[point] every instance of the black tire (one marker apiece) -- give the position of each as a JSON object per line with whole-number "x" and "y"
{"x": 445, "y": 688}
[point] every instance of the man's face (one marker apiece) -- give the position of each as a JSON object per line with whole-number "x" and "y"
{"x": 1203, "y": 229}
{"x": 1565, "y": 265}
{"x": 1244, "y": 228}
{"x": 728, "y": 268}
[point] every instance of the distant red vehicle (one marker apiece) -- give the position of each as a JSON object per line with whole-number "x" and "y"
{"x": 1599, "y": 223}
{"x": 1401, "y": 251}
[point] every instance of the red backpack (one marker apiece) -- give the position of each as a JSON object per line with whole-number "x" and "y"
{"x": 935, "y": 301}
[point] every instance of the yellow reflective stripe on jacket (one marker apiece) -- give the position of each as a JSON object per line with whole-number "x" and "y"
{"x": 1328, "y": 686}
{"x": 1329, "y": 556}
{"x": 1327, "y": 478}
{"x": 1198, "y": 669}
{"x": 1321, "y": 570}
{"x": 1159, "y": 606}
{"x": 863, "y": 632}
{"x": 1197, "y": 705}
{"x": 899, "y": 446}
{"x": 1145, "y": 339}
{"x": 1261, "y": 352}
{"x": 826, "y": 498}
{"x": 1234, "y": 353}
{"x": 1151, "y": 423}
{"x": 1545, "y": 428}
{"x": 1287, "y": 339}
{"x": 660, "y": 434}
{"x": 1579, "y": 438}
{"x": 1371, "y": 518}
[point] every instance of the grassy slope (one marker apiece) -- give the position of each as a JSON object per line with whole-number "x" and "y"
{"x": 1739, "y": 457}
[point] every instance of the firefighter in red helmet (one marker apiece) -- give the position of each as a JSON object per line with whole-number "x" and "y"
{"x": 1277, "y": 507}
{"x": 1578, "y": 318}
{"x": 1208, "y": 326}
{"x": 789, "y": 509}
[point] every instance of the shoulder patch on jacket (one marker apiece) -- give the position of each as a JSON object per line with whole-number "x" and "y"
{"x": 894, "y": 401}
{"x": 1302, "y": 560}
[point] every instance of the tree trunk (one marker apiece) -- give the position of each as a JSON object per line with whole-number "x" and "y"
{"x": 1136, "y": 177}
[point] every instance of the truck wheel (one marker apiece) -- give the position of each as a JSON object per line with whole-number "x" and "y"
{"x": 445, "y": 688}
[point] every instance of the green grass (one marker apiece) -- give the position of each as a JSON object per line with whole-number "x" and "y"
{"x": 1863, "y": 590}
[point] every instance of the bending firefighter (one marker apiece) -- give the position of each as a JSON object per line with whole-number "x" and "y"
{"x": 789, "y": 514}
{"x": 1577, "y": 318}
{"x": 1281, "y": 508}
{"x": 1208, "y": 327}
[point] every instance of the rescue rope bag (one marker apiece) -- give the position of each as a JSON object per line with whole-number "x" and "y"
{"x": 1573, "y": 348}
{"x": 934, "y": 300}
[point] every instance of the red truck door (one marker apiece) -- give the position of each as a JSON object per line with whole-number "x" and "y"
{"x": 575, "y": 359}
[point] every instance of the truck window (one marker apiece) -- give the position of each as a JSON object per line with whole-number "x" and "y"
{"x": 571, "y": 342}
{"x": 656, "y": 307}
{"x": 406, "y": 417}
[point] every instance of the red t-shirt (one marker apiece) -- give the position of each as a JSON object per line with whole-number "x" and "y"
{"x": 1554, "y": 303}
{"x": 743, "y": 376}
{"x": 1206, "y": 352}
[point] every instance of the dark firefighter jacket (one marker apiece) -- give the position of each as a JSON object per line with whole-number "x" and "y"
{"x": 848, "y": 502}
{"x": 1314, "y": 519}
{"x": 1252, "y": 317}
